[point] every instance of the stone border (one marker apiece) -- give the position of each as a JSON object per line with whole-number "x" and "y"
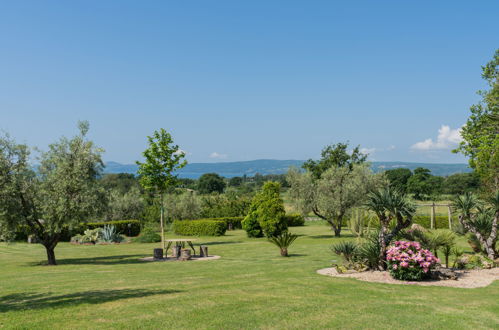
{"x": 170, "y": 258}
{"x": 467, "y": 279}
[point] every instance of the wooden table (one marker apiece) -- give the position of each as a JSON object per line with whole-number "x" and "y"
{"x": 180, "y": 242}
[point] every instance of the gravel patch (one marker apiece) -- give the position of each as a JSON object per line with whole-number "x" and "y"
{"x": 466, "y": 278}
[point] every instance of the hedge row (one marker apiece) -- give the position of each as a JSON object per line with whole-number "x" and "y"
{"x": 441, "y": 221}
{"x": 125, "y": 227}
{"x": 201, "y": 227}
{"x": 294, "y": 220}
{"x": 234, "y": 222}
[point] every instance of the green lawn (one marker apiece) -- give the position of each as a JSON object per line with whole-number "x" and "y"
{"x": 106, "y": 286}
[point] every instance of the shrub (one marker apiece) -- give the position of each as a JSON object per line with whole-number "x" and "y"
{"x": 266, "y": 212}
{"x": 441, "y": 221}
{"x": 369, "y": 250}
{"x": 108, "y": 234}
{"x": 294, "y": 220}
{"x": 200, "y": 227}
{"x": 407, "y": 261}
{"x": 148, "y": 235}
{"x": 346, "y": 249}
{"x": 234, "y": 222}
{"x": 125, "y": 227}
{"x": 283, "y": 241}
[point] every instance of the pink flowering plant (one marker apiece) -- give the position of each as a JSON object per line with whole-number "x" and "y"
{"x": 407, "y": 261}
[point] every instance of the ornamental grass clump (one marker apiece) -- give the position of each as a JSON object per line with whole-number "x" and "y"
{"x": 407, "y": 261}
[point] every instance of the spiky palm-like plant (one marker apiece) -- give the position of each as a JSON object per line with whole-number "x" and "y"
{"x": 283, "y": 241}
{"x": 480, "y": 221}
{"x": 389, "y": 204}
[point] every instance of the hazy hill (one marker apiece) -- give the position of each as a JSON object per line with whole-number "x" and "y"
{"x": 272, "y": 166}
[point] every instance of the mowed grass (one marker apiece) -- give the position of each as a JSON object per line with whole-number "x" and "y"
{"x": 105, "y": 286}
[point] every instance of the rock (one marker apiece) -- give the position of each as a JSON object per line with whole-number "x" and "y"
{"x": 441, "y": 273}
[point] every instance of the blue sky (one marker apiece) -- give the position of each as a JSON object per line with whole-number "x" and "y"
{"x": 242, "y": 80}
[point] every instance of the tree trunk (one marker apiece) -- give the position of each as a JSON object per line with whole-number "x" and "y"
{"x": 284, "y": 252}
{"x": 337, "y": 231}
{"x": 50, "y": 255}
{"x": 162, "y": 226}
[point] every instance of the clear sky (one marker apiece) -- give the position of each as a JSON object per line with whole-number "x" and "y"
{"x": 241, "y": 80}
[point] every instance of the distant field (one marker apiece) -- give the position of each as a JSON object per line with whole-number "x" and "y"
{"x": 104, "y": 286}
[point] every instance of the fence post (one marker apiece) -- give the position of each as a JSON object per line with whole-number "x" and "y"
{"x": 450, "y": 216}
{"x": 432, "y": 219}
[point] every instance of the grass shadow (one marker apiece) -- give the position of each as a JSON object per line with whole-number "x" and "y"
{"x": 30, "y": 301}
{"x": 331, "y": 236}
{"x": 108, "y": 260}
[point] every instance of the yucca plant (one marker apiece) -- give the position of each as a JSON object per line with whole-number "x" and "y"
{"x": 283, "y": 241}
{"x": 345, "y": 249}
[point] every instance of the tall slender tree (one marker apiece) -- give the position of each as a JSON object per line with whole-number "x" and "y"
{"x": 156, "y": 173}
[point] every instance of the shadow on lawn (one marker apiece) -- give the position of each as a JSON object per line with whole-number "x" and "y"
{"x": 331, "y": 236}
{"x": 108, "y": 260}
{"x": 29, "y": 301}
{"x": 221, "y": 243}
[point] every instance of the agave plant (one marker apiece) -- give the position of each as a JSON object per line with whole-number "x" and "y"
{"x": 109, "y": 234}
{"x": 283, "y": 241}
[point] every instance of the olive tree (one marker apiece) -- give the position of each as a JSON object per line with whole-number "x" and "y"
{"x": 334, "y": 193}
{"x": 61, "y": 194}
{"x": 156, "y": 173}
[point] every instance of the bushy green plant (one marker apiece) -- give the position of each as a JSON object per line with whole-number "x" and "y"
{"x": 294, "y": 220}
{"x": 149, "y": 234}
{"x": 199, "y": 227}
{"x": 88, "y": 236}
{"x": 232, "y": 222}
{"x": 124, "y": 227}
{"x": 368, "y": 251}
{"x": 108, "y": 234}
{"x": 346, "y": 249}
{"x": 266, "y": 212}
{"x": 283, "y": 241}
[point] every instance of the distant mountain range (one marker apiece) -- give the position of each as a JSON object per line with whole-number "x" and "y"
{"x": 272, "y": 166}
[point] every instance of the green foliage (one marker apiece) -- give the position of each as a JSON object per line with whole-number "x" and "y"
{"x": 420, "y": 183}
{"x": 234, "y": 222}
{"x": 121, "y": 182}
{"x": 109, "y": 234}
{"x": 346, "y": 249}
{"x": 64, "y": 193}
{"x": 294, "y": 220}
{"x": 124, "y": 227}
{"x": 368, "y": 251}
{"x": 481, "y": 131}
{"x": 199, "y": 227}
{"x": 460, "y": 183}
{"x": 148, "y": 235}
{"x": 398, "y": 178}
{"x": 125, "y": 205}
{"x": 162, "y": 159}
{"x": 182, "y": 206}
{"x": 283, "y": 241}
{"x": 359, "y": 222}
{"x": 229, "y": 204}
{"x": 441, "y": 221}
{"x": 211, "y": 182}
{"x": 332, "y": 156}
{"x": 335, "y": 193}
{"x": 266, "y": 213}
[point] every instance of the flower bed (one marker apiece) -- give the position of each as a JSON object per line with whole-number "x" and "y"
{"x": 407, "y": 261}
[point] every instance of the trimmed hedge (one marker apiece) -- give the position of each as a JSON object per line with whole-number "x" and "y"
{"x": 441, "y": 221}
{"x": 235, "y": 221}
{"x": 201, "y": 227}
{"x": 294, "y": 220}
{"x": 124, "y": 227}
{"x": 121, "y": 227}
